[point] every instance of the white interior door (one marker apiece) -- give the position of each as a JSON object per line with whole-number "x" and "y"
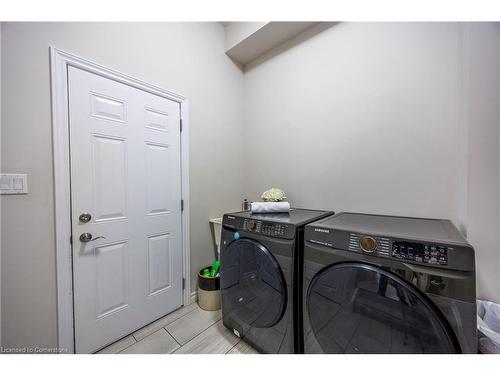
{"x": 125, "y": 173}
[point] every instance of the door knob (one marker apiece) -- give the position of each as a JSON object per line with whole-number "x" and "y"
{"x": 87, "y": 237}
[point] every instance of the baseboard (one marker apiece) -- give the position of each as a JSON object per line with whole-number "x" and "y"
{"x": 194, "y": 296}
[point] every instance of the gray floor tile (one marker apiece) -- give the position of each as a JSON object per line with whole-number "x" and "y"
{"x": 118, "y": 346}
{"x": 192, "y": 324}
{"x": 162, "y": 322}
{"x": 242, "y": 348}
{"x": 159, "y": 342}
{"x": 217, "y": 339}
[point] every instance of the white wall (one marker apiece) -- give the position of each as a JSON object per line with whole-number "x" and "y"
{"x": 482, "y": 42}
{"x": 368, "y": 118}
{"x": 0, "y": 170}
{"x": 238, "y": 31}
{"x": 185, "y": 57}
{"x": 360, "y": 117}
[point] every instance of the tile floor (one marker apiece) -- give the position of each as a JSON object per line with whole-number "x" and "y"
{"x": 188, "y": 330}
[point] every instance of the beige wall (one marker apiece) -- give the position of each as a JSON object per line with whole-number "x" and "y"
{"x": 370, "y": 118}
{"x": 186, "y": 58}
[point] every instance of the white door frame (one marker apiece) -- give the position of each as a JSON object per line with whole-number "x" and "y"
{"x": 60, "y": 61}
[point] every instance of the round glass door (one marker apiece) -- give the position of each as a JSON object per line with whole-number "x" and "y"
{"x": 252, "y": 284}
{"x": 358, "y": 308}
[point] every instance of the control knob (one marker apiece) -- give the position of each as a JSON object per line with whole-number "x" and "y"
{"x": 252, "y": 224}
{"x": 368, "y": 244}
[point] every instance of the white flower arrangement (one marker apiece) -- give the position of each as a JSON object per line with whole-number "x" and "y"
{"x": 273, "y": 195}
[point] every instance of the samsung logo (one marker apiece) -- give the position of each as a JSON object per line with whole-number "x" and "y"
{"x": 321, "y": 230}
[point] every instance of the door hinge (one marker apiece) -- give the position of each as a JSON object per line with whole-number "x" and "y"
{"x": 182, "y": 204}
{"x": 183, "y": 283}
{"x": 71, "y": 240}
{"x": 181, "y": 125}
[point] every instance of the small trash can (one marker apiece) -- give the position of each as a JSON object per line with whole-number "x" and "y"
{"x": 208, "y": 291}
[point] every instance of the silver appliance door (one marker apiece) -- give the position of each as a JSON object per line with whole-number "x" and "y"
{"x": 361, "y": 308}
{"x": 254, "y": 292}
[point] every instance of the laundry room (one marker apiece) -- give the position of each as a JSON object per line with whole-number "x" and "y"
{"x": 185, "y": 186}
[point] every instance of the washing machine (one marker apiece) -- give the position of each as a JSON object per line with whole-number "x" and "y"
{"x": 261, "y": 266}
{"x": 387, "y": 284}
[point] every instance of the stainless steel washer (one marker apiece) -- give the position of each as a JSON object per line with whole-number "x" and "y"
{"x": 261, "y": 265}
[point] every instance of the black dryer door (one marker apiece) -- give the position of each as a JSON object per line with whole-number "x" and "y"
{"x": 252, "y": 284}
{"x": 360, "y": 308}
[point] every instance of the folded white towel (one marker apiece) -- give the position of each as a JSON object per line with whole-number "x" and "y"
{"x": 269, "y": 207}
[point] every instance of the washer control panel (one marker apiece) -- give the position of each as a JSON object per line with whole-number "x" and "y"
{"x": 421, "y": 253}
{"x": 266, "y": 228}
{"x": 252, "y": 225}
{"x": 273, "y": 229}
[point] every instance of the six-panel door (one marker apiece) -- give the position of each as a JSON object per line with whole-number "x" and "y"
{"x": 125, "y": 173}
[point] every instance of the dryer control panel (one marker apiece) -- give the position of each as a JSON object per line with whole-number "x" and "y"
{"x": 414, "y": 251}
{"x": 421, "y": 253}
{"x": 424, "y": 242}
{"x": 369, "y": 244}
{"x": 387, "y": 247}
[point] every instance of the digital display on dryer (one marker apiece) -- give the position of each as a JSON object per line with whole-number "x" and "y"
{"x": 421, "y": 253}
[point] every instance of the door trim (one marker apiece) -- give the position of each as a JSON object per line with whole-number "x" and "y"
{"x": 59, "y": 63}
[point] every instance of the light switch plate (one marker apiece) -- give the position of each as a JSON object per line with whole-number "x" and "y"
{"x": 13, "y": 183}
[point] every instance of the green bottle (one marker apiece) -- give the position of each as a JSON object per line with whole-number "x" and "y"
{"x": 215, "y": 268}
